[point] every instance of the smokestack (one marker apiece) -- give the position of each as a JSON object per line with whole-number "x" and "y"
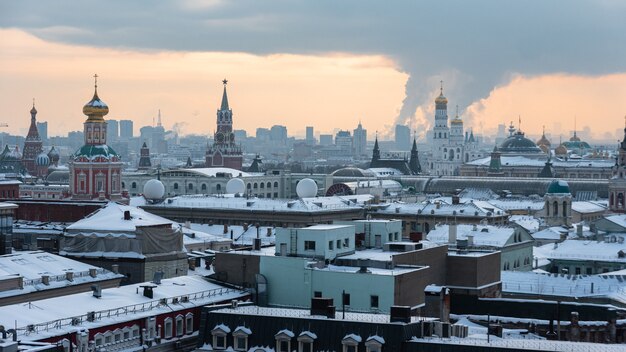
{"x": 452, "y": 234}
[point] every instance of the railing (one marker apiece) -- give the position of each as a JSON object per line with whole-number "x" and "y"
{"x": 121, "y": 311}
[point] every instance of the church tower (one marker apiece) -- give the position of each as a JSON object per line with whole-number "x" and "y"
{"x": 441, "y": 132}
{"x": 617, "y": 183}
{"x": 32, "y": 145}
{"x": 95, "y": 168}
{"x": 224, "y": 152}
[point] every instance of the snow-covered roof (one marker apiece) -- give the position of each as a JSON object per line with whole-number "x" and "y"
{"x": 529, "y": 223}
{"x": 240, "y": 237}
{"x": 318, "y": 204}
{"x": 587, "y": 207}
{"x": 613, "y": 286}
{"x": 53, "y": 316}
{"x": 32, "y": 265}
{"x": 583, "y": 250}
{"x": 111, "y": 219}
{"x": 484, "y": 235}
{"x": 550, "y": 233}
{"x": 470, "y": 209}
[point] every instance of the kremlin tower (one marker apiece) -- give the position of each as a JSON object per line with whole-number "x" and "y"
{"x": 224, "y": 152}
{"x": 32, "y": 145}
{"x": 95, "y": 168}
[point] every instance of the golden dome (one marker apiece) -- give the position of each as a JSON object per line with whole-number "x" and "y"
{"x": 95, "y": 109}
{"x": 441, "y": 99}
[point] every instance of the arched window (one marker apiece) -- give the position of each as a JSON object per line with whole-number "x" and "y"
{"x": 175, "y": 185}
{"x": 555, "y": 208}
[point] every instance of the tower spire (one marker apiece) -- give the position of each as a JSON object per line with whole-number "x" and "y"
{"x": 224, "y": 96}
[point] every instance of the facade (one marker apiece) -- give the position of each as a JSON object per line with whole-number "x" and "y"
{"x": 138, "y": 244}
{"x": 32, "y": 145}
{"x": 224, "y": 152}
{"x": 617, "y": 181}
{"x": 95, "y": 168}
{"x": 450, "y": 147}
{"x": 126, "y": 129}
{"x": 144, "y": 158}
{"x": 360, "y": 141}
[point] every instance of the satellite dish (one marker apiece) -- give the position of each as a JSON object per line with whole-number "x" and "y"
{"x": 306, "y": 188}
{"x": 154, "y": 189}
{"x": 235, "y": 185}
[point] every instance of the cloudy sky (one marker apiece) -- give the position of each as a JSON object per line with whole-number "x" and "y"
{"x": 325, "y": 63}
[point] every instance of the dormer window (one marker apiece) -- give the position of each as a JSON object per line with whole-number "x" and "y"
{"x": 305, "y": 341}
{"x": 240, "y": 335}
{"x": 219, "y": 333}
{"x": 283, "y": 340}
{"x": 374, "y": 344}
{"x": 351, "y": 342}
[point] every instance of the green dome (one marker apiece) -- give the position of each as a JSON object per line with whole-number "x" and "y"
{"x": 558, "y": 186}
{"x": 93, "y": 151}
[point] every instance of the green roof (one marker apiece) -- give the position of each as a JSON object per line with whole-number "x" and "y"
{"x": 93, "y": 151}
{"x": 558, "y": 187}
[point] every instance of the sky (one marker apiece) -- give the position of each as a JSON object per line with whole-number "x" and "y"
{"x": 558, "y": 65}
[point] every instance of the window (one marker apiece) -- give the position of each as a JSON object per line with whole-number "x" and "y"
{"x": 179, "y": 325}
{"x": 240, "y": 337}
{"x": 330, "y": 245}
{"x": 189, "y": 323}
{"x": 309, "y": 245}
{"x": 168, "y": 328}
{"x": 373, "y": 301}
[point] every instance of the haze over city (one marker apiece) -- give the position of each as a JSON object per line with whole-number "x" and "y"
{"x": 319, "y": 63}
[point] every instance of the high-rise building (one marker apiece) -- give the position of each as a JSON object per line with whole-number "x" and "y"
{"x": 403, "y": 137}
{"x": 224, "y": 152}
{"x": 113, "y": 130}
{"x": 278, "y": 134}
{"x": 343, "y": 140}
{"x": 42, "y": 127}
{"x": 359, "y": 141}
{"x": 95, "y": 168}
{"x": 310, "y": 136}
{"x": 126, "y": 129}
{"x": 326, "y": 139}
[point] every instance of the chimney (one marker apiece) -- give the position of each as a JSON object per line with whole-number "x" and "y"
{"x": 126, "y": 214}
{"x": 69, "y": 276}
{"x": 115, "y": 268}
{"x": 400, "y": 314}
{"x": 452, "y": 234}
{"x": 257, "y": 244}
{"x": 45, "y": 279}
{"x": 97, "y": 291}
{"x": 93, "y": 272}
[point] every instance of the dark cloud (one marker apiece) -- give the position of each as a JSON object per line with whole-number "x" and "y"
{"x": 473, "y": 45}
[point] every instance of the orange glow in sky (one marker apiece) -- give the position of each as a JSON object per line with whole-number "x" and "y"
{"x": 328, "y": 91}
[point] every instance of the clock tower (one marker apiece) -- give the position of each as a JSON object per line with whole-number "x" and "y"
{"x": 224, "y": 152}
